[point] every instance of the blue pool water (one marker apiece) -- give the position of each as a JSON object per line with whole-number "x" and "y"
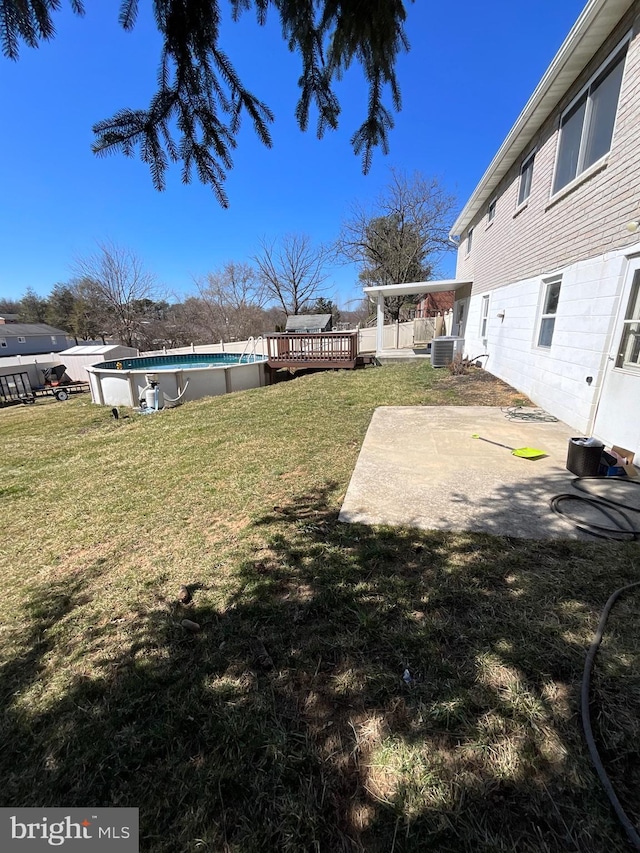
{"x": 180, "y": 362}
{"x": 172, "y": 365}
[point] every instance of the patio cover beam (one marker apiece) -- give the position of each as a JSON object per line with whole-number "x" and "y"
{"x": 416, "y": 288}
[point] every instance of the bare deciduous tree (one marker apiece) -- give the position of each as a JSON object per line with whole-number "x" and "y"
{"x": 9, "y": 306}
{"x": 233, "y": 298}
{"x": 117, "y": 285}
{"x": 292, "y": 271}
{"x": 358, "y": 312}
{"x": 402, "y": 236}
{"x": 88, "y": 315}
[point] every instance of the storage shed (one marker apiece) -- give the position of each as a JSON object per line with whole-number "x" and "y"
{"x": 309, "y": 323}
{"x": 77, "y": 358}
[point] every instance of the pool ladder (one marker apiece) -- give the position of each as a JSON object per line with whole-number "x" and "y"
{"x": 252, "y": 345}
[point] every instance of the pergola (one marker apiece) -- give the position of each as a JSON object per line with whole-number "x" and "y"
{"x": 415, "y": 288}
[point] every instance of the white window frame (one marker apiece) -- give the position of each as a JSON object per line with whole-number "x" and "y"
{"x": 491, "y": 210}
{"x": 54, "y": 339}
{"x": 629, "y": 333}
{"x": 3, "y": 342}
{"x": 484, "y": 315}
{"x": 586, "y": 123}
{"x": 21, "y": 339}
{"x": 469, "y": 240}
{"x": 544, "y": 316}
{"x": 529, "y": 161}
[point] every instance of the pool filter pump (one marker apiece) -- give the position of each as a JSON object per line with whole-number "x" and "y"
{"x": 150, "y": 397}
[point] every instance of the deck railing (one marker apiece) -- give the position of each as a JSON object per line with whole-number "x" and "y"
{"x": 317, "y": 349}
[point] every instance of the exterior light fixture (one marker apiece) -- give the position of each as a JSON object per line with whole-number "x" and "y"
{"x": 633, "y": 226}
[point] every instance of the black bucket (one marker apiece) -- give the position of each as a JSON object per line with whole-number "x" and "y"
{"x": 583, "y": 461}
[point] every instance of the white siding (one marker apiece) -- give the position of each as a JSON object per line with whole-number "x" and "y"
{"x": 554, "y": 378}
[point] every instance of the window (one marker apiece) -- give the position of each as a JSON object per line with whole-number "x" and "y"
{"x": 484, "y": 316}
{"x": 469, "y": 240}
{"x": 629, "y": 354}
{"x": 53, "y": 339}
{"x": 586, "y": 128}
{"x": 526, "y": 176}
{"x": 551, "y": 295}
{"x": 3, "y": 342}
{"x": 21, "y": 340}
{"x": 491, "y": 212}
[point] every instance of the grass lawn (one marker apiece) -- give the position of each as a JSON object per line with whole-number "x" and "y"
{"x": 285, "y": 724}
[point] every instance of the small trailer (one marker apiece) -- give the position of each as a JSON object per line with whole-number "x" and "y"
{"x": 16, "y": 387}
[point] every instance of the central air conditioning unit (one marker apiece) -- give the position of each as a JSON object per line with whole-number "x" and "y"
{"x": 444, "y": 350}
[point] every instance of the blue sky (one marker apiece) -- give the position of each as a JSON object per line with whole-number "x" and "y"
{"x": 471, "y": 68}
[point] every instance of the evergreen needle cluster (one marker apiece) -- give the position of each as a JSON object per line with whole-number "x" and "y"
{"x": 195, "y": 115}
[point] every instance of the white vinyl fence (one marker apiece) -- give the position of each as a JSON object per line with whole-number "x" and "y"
{"x": 414, "y": 333}
{"x": 259, "y": 345}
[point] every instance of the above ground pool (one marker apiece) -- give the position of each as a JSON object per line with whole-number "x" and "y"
{"x": 177, "y": 378}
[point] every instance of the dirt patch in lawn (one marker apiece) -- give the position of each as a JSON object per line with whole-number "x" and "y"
{"x": 479, "y": 388}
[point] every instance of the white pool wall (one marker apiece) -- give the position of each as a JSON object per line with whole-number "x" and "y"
{"x": 112, "y": 387}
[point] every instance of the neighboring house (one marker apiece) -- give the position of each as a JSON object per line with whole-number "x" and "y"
{"x": 32, "y": 339}
{"x": 8, "y": 318}
{"x": 432, "y": 304}
{"x": 550, "y": 237}
{"x": 309, "y": 323}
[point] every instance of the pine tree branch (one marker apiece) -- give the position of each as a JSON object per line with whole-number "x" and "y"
{"x": 128, "y": 14}
{"x": 29, "y": 21}
{"x": 195, "y": 76}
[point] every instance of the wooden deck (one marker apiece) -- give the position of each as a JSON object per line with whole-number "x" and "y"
{"x": 315, "y": 350}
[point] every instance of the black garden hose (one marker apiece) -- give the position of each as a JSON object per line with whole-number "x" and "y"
{"x": 623, "y": 528}
{"x": 625, "y": 533}
{"x": 535, "y": 416}
{"x": 629, "y": 828}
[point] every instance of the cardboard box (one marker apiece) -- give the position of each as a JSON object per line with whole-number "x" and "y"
{"x": 626, "y": 458}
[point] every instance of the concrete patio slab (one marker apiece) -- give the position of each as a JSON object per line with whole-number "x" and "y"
{"x": 420, "y": 466}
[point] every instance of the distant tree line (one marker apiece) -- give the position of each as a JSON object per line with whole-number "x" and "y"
{"x": 400, "y": 238}
{"x": 112, "y": 296}
{"x": 210, "y": 315}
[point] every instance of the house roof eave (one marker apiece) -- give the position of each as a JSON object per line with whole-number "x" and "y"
{"x": 595, "y": 23}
